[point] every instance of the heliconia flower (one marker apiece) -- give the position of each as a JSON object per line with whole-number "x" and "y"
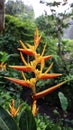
{"x": 47, "y": 91}
{"x": 34, "y": 108}
{"x": 37, "y": 38}
{"x": 27, "y": 51}
{"x": 38, "y": 70}
{"x": 48, "y": 76}
{"x": 2, "y": 66}
{"x": 13, "y": 111}
{"x": 22, "y": 68}
{"x": 20, "y": 82}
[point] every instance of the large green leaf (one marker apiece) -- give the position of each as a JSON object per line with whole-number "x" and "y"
{"x": 27, "y": 121}
{"x": 6, "y": 121}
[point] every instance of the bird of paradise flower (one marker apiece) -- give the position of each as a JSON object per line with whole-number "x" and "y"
{"x": 31, "y": 50}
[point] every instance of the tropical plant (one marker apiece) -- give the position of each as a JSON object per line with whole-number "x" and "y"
{"x": 35, "y": 66}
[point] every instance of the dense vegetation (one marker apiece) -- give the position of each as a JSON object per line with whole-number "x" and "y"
{"x": 19, "y": 27}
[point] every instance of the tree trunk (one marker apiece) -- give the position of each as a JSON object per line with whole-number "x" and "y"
{"x": 2, "y": 20}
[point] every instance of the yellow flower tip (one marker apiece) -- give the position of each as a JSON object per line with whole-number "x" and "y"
{"x": 34, "y": 108}
{"x": 10, "y": 66}
{"x": 48, "y": 76}
{"x": 22, "y": 44}
{"x": 37, "y": 38}
{"x": 19, "y": 49}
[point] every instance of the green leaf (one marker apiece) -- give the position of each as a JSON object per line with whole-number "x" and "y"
{"x": 27, "y": 121}
{"x": 56, "y": 127}
{"x": 53, "y": 127}
{"x": 6, "y": 121}
{"x": 63, "y": 101}
{"x": 4, "y": 57}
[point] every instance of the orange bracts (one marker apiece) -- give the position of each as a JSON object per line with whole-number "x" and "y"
{"x": 27, "y": 51}
{"x": 13, "y": 111}
{"x": 48, "y": 76}
{"x": 22, "y": 68}
{"x": 20, "y": 82}
{"x": 47, "y": 91}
